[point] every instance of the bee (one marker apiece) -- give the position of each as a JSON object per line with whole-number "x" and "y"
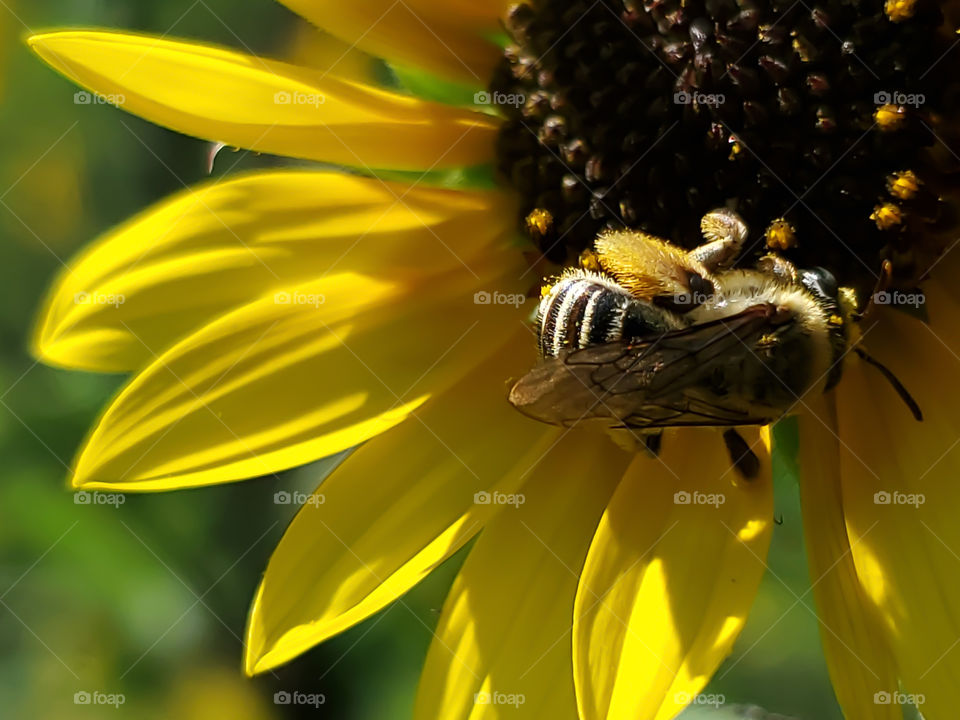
{"x": 660, "y": 337}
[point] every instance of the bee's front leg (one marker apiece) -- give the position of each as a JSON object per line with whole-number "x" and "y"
{"x": 725, "y": 233}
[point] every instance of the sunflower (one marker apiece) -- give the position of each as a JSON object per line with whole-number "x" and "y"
{"x": 278, "y": 317}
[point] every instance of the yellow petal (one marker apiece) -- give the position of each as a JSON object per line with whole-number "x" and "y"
{"x": 451, "y": 39}
{"x": 211, "y": 249}
{"x": 272, "y": 385}
{"x": 333, "y": 56}
{"x": 858, "y": 658}
{"x": 901, "y": 495}
{"x": 266, "y": 105}
{"x": 669, "y": 578}
{"x": 503, "y": 641}
{"x": 394, "y": 510}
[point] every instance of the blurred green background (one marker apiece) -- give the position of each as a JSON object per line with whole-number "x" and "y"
{"x": 149, "y": 599}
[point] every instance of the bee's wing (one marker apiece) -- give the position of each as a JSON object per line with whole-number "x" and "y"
{"x": 683, "y": 377}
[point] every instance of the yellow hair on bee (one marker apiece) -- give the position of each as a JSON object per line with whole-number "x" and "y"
{"x": 780, "y": 235}
{"x": 903, "y": 185}
{"x": 646, "y": 266}
{"x": 900, "y": 10}
{"x": 887, "y": 216}
{"x": 890, "y": 117}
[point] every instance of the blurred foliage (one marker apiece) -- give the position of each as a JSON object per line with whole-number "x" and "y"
{"x": 149, "y": 599}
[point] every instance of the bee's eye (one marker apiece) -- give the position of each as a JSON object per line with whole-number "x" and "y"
{"x": 820, "y": 281}
{"x": 700, "y": 287}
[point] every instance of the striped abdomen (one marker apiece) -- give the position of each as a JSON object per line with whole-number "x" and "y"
{"x": 585, "y": 308}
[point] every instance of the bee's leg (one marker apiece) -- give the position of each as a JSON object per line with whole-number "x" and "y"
{"x": 743, "y": 459}
{"x": 779, "y": 267}
{"x": 725, "y": 234}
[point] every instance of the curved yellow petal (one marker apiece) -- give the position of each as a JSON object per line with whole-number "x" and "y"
{"x": 273, "y": 385}
{"x": 503, "y": 641}
{"x": 669, "y": 578}
{"x": 395, "y": 509}
{"x": 209, "y": 250}
{"x": 267, "y": 105}
{"x": 331, "y": 55}
{"x": 858, "y": 657}
{"x": 901, "y": 495}
{"x": 451, "y": 39}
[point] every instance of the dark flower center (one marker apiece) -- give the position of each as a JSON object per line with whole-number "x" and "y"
{"x": 826, "y": 124}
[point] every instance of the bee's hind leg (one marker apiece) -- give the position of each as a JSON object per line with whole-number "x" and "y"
{"x": 725, "y": 233}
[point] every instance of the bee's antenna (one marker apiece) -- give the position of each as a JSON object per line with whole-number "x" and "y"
{"x": 892, "y": 379}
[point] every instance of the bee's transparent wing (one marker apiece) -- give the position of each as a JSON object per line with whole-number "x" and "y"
{"x": 684, "y": 377}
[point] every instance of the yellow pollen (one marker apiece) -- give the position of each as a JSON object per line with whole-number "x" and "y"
{"x": 835, "y": 320}
{"x": 900, "y": 10}
{"x": 781, "y": 235}
{"x": 890, "y": 117}
{"x": 887, "y": 216}
{"x": 589, "y": 260}
{"x": 903, "y": 185}
{"x": 539, "y": 222}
